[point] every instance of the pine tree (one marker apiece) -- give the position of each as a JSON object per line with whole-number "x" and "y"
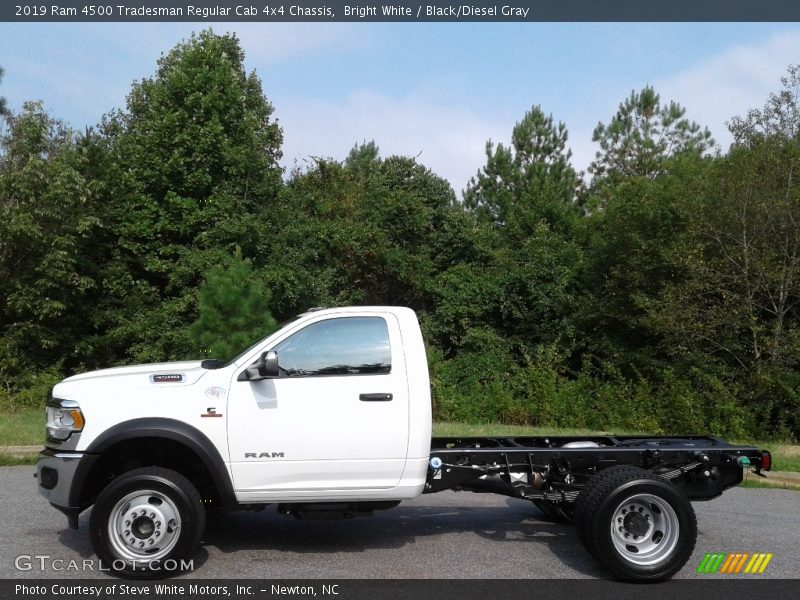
{"x": 531, "y": 181}
{"x": 642, "y": 136}
{"x": 233, "y": 311}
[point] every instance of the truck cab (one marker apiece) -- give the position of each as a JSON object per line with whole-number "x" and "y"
{"x": 333, "y": 407}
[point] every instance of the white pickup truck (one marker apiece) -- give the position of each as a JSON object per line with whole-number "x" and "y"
{"x": 331, "y": 416}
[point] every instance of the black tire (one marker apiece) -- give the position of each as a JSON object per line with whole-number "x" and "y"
{"x": 557, "y": 512}
{"x": 654, "y": 526}
{"x": 164, "y": 495}
{"x": 580, "y": 503}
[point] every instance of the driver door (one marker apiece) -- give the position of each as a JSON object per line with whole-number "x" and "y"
{"x": 336, "y": 418}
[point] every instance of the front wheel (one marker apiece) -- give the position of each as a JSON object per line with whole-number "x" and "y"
{"x": 638, "y": 525}
{"x": 147, "y": 523}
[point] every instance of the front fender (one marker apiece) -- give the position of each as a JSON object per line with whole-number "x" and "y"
{"x": 158, "y": 427}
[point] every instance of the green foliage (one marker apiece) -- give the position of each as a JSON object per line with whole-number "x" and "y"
{"x": 460, "y": 429}
{"x": 530, "y": 182}
{"x": 526, "y": 292}
{"x": 640, "y": 140}
{"x": 50, "y": 226}
{"x": 196, "y": 168}
{"x": 637, "y": 248}
{"x": 524, "y": 283}
{"x": 201, "y": 124}
{"x": 33, "y": 391}
{"x": 488, "y": 385}
{"x": 778, "y": 119}
{"x": 475, "y": 385}
{"x": 663, "y": 297}
{"x": 3, "y": 102}
{"x": 364, "y": 231}
{"x": 741, "y": 267}
{"x": 233, "y": 309}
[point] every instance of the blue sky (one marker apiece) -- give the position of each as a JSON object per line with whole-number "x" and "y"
{"x": 434, "y": 90}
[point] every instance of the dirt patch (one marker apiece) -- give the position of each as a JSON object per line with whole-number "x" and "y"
{"x": 20, "y": 451}
{"x": 786, "y": 450}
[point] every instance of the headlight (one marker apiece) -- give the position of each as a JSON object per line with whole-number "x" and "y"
{"x": 64, "y": 417}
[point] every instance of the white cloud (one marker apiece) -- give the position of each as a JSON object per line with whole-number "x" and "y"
{"x": 731, "y": 82}
{"x": 280, "y": 42}
{"x": 448, "y": 139}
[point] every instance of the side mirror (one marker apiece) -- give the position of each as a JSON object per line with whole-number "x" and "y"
{"x": 266, "y": 367}
{"x": 268, "y": 364}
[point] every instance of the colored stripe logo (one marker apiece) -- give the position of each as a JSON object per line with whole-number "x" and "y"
{"x": 735, "y": 563}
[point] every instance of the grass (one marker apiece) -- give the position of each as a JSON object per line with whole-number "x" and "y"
{"x": 785, "y": 457}
{"x": 23, "y": 427}
{"x": 13, "y": 461}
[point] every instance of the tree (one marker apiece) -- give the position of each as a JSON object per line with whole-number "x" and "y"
{"x": 233, "y": 309}
{"x": 734, "y": 313}
{"x": 779, "y": 118}
{"x": 641, "y": 138}
{"x": 756, "y": 228}
{"x": 200, "y": 124}
{"x": 526, "y": 193}
{"x": 526, "y": 293}
{"x": 3, "y": 103}
{"x": 367, "y": 230}
{"x": 52, "y": 240}
{"x": 196, "y": 168}
{"x": 529, "y": 182}
{"x": 640, "y": 202}
{"x": 638, "y": 245}
{"x": 745, "y": 284}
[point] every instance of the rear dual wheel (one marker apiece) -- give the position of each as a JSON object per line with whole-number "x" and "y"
{"x": 637, "y": 524}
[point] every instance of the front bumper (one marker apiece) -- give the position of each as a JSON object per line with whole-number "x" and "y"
{"x": 56, "y": 476}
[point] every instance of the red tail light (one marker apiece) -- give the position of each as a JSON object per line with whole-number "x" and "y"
{"x": 766, "y": 460}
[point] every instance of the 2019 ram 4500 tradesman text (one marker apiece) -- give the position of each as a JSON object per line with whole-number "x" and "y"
{"x": 331, "y": 415}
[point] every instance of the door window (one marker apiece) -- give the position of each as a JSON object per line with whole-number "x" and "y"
{"x": 342, "y": 346}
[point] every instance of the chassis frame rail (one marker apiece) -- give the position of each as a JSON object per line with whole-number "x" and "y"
{"x": 555, "y": 468}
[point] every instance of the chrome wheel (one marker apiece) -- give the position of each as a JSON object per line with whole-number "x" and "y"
{"x": 644, "y": 529}
{"x": 144, "y": 526}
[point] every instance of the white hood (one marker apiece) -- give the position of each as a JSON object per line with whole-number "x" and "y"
{"x": 182, "y": 374}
